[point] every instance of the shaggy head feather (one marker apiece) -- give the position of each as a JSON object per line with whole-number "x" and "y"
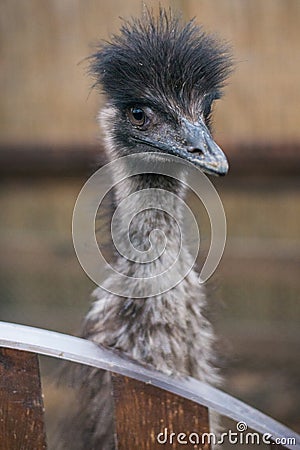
{"x": 161, "y": 61}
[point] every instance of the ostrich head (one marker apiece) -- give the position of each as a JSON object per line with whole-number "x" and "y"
{"x": 161, "y": 78}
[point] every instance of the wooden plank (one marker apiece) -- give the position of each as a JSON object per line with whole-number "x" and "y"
{"x": 143, "y": 411}
{"x": 21, "y": 403}
{"x": 40, "y": 160}
{"x": 50, "y": 160}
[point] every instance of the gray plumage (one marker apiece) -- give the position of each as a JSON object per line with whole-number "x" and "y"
{"x": 160, "y": 78}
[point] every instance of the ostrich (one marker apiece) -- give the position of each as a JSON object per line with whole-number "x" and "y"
{"x": 160, "y": 78}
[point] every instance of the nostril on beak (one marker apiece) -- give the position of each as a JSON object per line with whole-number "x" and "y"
{"x": 195, "y": 150}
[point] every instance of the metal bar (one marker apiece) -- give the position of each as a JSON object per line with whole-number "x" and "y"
{"x": 85, "y": 352}
{"x": 275, "y": 446}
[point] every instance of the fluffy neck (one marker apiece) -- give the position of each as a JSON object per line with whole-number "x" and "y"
{"x": 167, "y": 330}
{"x": 153, "y": 203}
{"x": 149, "y": 231}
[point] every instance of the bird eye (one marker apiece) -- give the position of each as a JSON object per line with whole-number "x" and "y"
{"x": 137, "y": 116}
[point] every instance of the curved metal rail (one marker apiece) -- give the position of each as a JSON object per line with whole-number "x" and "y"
{"x": 82, "y": 351}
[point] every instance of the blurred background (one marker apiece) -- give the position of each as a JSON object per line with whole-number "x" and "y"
{"x": 50, "y": 144}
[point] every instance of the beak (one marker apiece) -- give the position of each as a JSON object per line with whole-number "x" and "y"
{"x": 202, "y": 150}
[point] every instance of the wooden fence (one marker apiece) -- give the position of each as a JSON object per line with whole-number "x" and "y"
{"x": 246, "y": 158}
{"x": 146, "y": 401}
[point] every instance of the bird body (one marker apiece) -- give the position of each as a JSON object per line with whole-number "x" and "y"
{"x": 160, "y": 78}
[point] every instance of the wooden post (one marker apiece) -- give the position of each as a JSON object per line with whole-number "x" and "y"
{"x": 142, "y": 411}
{"x": 21, "y": 403}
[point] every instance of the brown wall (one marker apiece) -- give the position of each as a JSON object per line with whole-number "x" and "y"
{"x": 44, "y": 89}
